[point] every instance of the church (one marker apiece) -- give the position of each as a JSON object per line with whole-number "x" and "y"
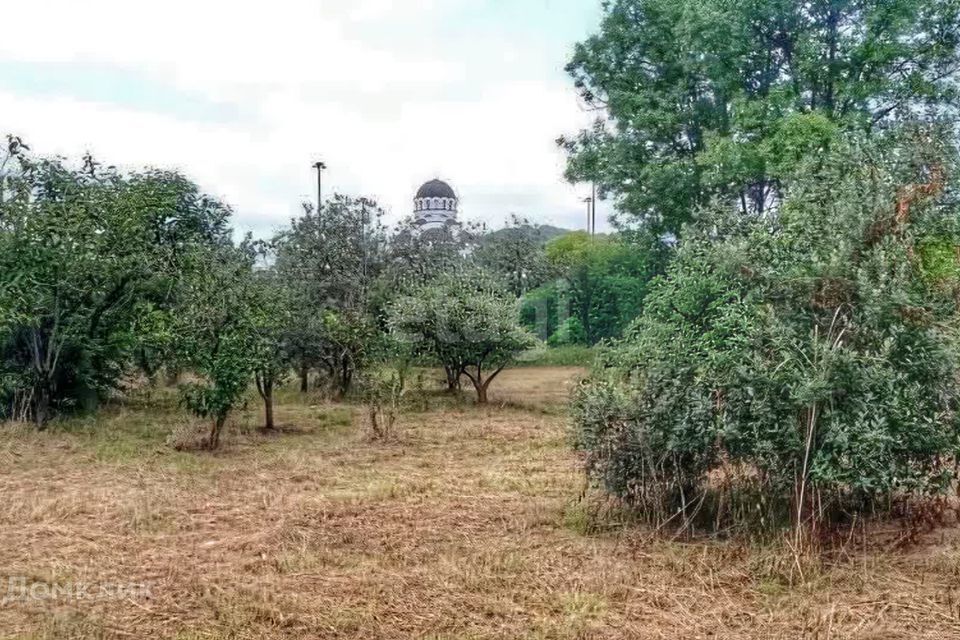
{"x": 435, "y": 206}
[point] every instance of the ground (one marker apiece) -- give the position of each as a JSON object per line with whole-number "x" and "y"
{"x": 473, "y": 523}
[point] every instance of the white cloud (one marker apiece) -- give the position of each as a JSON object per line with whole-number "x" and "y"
{"x": 378, "y": 88}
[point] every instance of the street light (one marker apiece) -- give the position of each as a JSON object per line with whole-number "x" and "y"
{"x": 319, "y": 166}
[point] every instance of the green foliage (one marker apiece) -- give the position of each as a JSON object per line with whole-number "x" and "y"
{"x": 569, "y": 333}
{"x": 938, "y": 259}
{"x": 571, "y": 356}
{"x": 383, "y": 392}
{"x": 810, "y": 358}
{"x": 516, "y": 254}
{"x": 603, "y": 280}
{"x": 216, "y": 332}
{"x": 272, "y": 312}
{"x": 330, "y": 262}
{"x": 415, "y": 257}
{"x": 464, "y": 322}
{"x": 88, "y": 256}
{"x": 705, "y": 99}
{"x": 541, "y": 309}
{"x": 352, "y": 341}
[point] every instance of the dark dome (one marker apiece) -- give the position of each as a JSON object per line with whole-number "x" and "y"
{"x": 436, "y": 189}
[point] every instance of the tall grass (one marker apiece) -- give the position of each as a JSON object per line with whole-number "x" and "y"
{"x": 569, "y": 356}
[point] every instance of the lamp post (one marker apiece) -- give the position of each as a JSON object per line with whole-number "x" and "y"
{"x": 589, "y": 202}
{"x": 319, "y": 166}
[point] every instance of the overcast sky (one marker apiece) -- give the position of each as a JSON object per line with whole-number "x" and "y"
{"x": 244, "y": 96}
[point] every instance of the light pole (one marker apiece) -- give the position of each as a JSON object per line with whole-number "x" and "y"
{"x": 589, "y": 202}
{"x": 319, "y": 166}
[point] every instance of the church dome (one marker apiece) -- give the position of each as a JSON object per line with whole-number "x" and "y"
{"x": 436, "y": 189}
{"x": 435, "y": 206}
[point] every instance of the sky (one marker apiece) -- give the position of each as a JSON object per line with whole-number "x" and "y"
{"x": 243, "y": 97}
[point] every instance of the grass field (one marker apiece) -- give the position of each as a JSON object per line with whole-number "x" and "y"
{"x": 470, "y": 525}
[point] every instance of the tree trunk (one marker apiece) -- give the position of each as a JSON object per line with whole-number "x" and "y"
{"x": 346, "y": 377}
{"x": 145, "y": 365}
{"x": 480, "y": 384}
{"x": 453, "y": 378}
{"x": 268, "y": 404}
{"x": 215, "y": 430}
{"x": 41, "y": 409}
{"x": 304, "y": 378}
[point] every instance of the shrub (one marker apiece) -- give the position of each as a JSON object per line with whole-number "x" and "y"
{"x": 214, "y": 334}
{"x": 87, "y": 255}
{"x": 807, "y": 356}
{"x": 189, "y": 435}
{"x": 572, "y": 356}
{"x": 570, "y": 333}
{"x": 383, "y": 396}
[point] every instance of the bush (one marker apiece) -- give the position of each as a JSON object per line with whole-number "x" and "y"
{"x": 383, "y": 397}
{"x": 189, "y": 435}
{"x": 570, "y": 333}
{"x": 87, "y": 256}
{"x": 540, "y": 310}
{"x": 572, "y": 356}
{"x": 808, "y": 357}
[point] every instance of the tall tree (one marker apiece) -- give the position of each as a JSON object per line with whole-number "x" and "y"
{"x": 720, "y": 98}
{"x": 819, "y": 353}
{"x": 415, "y": 256}
{"x": 271, "y": 313}
{"x": 602, "y": 281}
{"x": 329, "y": 260}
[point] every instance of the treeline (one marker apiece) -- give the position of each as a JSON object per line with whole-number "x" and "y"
{"x": 110, "y": 278}
{"x": 796, "y": 363}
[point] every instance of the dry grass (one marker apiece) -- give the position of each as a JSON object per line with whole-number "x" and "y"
{"x": 468, "y": 526}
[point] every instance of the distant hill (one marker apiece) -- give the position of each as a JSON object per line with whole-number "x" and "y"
{"x": 546, "y": 232}
{"x": 550, "y": 232}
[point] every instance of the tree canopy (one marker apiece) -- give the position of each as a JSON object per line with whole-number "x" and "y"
{"x": 465, "y": 322}
{"x": 599, "y": 286}
{"x": 87, "y": 255}
{"x": 702, "y": 99}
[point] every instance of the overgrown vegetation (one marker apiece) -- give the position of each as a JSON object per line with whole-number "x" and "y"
{"x": 775, "y": 314}
{"x": 598, "y": 290}
{"x": 812, "y": 361}
{"x": 111, "y": 279}
{"x": 765, "y": 349}
{"x": 89, "y": 256}
{"x": 795, "y": 366}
